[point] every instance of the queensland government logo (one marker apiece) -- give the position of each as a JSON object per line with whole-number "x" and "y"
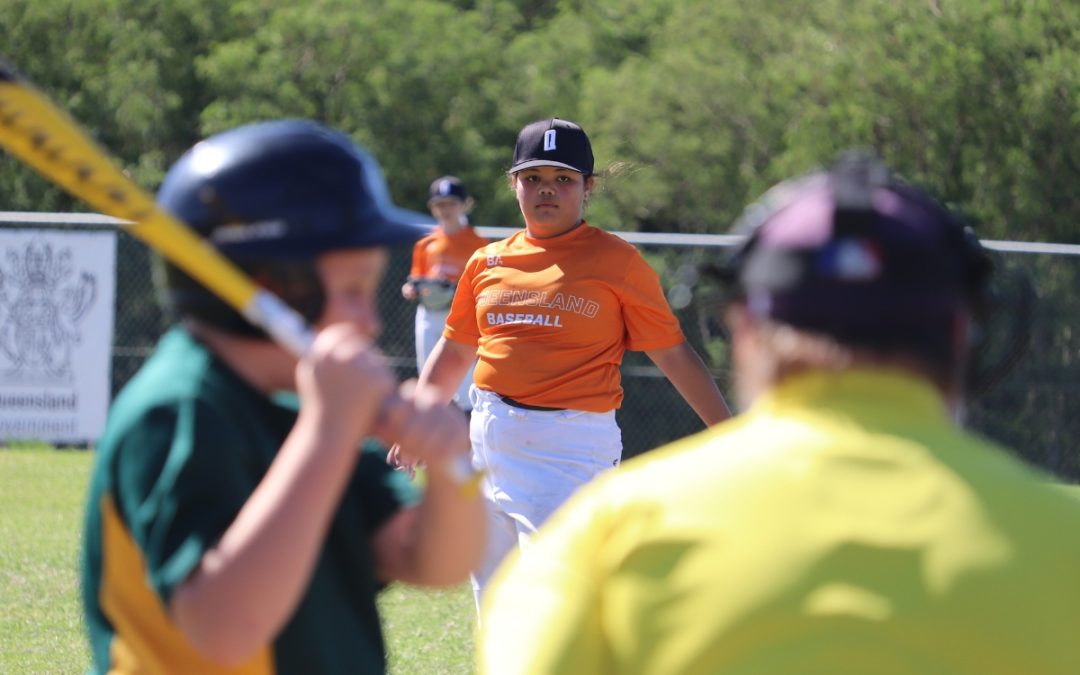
{"x": 42, "y": 302}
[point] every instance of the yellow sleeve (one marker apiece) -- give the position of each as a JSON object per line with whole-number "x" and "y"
{"x": 542, "y": 611}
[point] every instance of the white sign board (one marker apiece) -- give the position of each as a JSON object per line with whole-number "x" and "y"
{"x": 57, "y": 291}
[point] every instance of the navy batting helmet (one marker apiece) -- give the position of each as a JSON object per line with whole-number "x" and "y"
{"x": 273, "y": 196}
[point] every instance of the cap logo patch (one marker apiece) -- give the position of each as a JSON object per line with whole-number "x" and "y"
{"x": 852, "y": 260}
{"x": 549, "y": 140}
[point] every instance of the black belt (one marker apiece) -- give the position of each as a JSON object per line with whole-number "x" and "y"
{"x": 525, "y": 406}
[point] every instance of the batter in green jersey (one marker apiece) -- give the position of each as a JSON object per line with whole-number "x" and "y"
{"x": 238, "y": 521}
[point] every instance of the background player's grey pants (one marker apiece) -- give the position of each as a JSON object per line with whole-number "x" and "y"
{"x": 534, "y": 460}
{"x": 429, "y": 328}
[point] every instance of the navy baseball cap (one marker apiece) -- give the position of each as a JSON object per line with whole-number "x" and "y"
{"x": 858, "y": 254}
{"x": 447, "y": 187}
{"x": 553, "y": 142}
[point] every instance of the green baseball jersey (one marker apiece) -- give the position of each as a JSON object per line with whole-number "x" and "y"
{"x": 843, "y": 524}
{"x": 186, "y": 443}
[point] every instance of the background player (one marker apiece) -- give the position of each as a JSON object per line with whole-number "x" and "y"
{"x": 550, "y": 312}
{"x": 842, "y": 524}
{"x": 224, "y": 527}
{"x": 437, "y": 262}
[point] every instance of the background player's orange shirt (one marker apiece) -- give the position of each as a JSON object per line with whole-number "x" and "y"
{"x": 552, "y": 318}
{"x": 443, "y": 256}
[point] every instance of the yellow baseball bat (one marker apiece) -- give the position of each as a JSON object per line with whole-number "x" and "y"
{"x": 40, "y": 134}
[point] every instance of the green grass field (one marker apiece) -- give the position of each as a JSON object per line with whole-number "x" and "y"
{"x": 41, "y": 501}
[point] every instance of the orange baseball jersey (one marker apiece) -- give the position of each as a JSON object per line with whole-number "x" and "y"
{"x": 552, "y": 318}
{"x": 443, "y": 256}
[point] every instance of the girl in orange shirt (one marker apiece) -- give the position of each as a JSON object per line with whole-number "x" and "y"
{"x": 546, "y": 315}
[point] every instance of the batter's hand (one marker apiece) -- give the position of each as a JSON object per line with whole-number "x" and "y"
{"x": 394, "y": 459}
{"x": 422, "y": 429}
{"x": 344, "y": 380}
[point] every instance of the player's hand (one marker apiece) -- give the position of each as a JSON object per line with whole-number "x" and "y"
{"x": 344, "y": 380}
{"x": 422, "y": 429}
{"x": 395, "y": 459}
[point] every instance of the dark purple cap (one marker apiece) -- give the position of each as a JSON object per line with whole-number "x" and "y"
{"x": 553, "y": 142}
{"x": 857, "y": 254}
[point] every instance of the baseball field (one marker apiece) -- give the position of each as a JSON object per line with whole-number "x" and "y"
{"x": 41, "y": 503}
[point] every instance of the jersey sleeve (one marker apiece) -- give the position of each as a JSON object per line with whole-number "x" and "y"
{"x": 181, "y": 480}
{"x": 551, "y": 593}
{"x": 419, "y": 259}
{"x": 650, "y": 323}
{"x": 461, "y": 323}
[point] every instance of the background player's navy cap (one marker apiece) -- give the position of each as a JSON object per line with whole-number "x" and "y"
{"x": 553, "y": 142}
{"x": 447, "y": 187}
{"x": 858, "y": 254}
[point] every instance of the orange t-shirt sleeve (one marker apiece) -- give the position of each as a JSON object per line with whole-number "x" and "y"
{"x": 419, "y": 259}
{"x": 650, "y": 323}
{"x": 438, "y": 256}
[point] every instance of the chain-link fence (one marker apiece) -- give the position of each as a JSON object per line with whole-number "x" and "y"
{"x": 1024, "y": 389}
{"x": 1032, "y": 403}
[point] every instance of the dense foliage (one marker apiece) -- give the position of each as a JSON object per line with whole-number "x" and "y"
{"x": 704, "y": 104}
{"x": 695, "y": 106}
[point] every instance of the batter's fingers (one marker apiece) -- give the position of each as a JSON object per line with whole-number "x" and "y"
{"x": 422, "y": 430}
{"x": 394, "y": 459}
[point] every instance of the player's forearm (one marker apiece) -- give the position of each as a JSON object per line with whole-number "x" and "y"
{"x": 687, "y": 372}
{"x": 447, "y": 364}
{"x": 704, "y": 397}
{"x": 249, "y": 584}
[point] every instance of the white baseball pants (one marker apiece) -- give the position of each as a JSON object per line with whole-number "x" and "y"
{"x": 534, "y": 460}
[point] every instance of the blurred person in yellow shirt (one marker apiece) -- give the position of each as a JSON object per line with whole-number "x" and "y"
{"x": 843, "y": 523}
